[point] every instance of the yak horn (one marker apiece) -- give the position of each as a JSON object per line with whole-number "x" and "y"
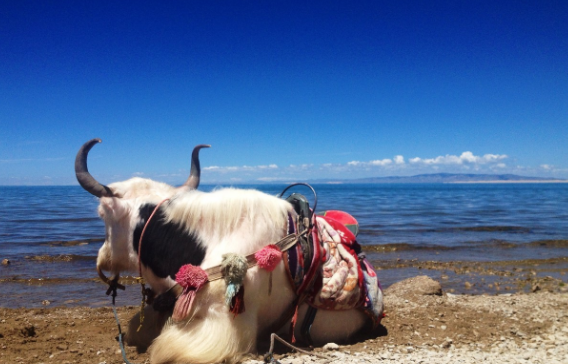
{"x": 88, "y": 182}
{"x": 195, "y": 173}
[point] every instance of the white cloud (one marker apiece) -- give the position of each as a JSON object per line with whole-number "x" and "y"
{"x": 464, "y": 158}
{"x": 466, "y": 162}
{"x": 268, "y": 179}
{"x": 382, "y": 162}
{"x": 244, "y": 168}
{"x": 270, "y": 166}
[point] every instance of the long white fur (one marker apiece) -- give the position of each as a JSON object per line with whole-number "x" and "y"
{"x": 226, "y": 221}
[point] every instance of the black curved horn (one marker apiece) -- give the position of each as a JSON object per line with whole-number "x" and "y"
{"x": 88, "y": 182}
{"x": 195, "y": 174}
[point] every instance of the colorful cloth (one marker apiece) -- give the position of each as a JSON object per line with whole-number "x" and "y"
{"x": 343, "y": 279}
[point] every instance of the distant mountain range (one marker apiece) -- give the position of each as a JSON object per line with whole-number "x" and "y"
{"x": 448, "y": 178}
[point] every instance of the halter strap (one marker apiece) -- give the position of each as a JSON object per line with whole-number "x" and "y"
{"x": 142, "y": 236}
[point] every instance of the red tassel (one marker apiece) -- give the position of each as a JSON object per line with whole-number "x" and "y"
{"x": 293, "y": 325}
{"x": 183, "y": 305}
{"x": 191, "y": 278}
{"x": 238, "y": 302}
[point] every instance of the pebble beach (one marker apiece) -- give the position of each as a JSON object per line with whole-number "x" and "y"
{"x": 423, "y": 324}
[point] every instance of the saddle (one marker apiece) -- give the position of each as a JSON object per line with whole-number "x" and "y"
{"x": 327, "y": 267}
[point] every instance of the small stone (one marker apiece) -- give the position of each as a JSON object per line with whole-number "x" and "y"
{"x": 5, "y": 262}
{"x": 45, "y": 302}
{"x": 330, "y": 346}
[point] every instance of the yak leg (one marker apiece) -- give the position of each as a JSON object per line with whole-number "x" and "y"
{"x": 332, "y": 326}
{"x": 152, "y": 327}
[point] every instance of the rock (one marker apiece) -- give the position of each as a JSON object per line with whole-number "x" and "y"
{"x": 28, "y": 331}
{"x": 415, "y": 286}
{"x": 5, "y": 262}
{"x": 45, "y": 302}
{"x": 330, "y": 346}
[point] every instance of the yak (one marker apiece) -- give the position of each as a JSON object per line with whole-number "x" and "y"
{"x": 158, "y": 231}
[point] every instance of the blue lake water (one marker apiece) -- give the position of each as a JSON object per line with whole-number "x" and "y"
{"x": 51, "y": 235}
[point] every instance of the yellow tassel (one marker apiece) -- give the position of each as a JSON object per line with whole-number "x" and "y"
{"x": 142, "y": 304}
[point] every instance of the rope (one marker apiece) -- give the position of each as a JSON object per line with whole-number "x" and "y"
{"x": 141, "y": 279}
{"x": 269, "y": 357}
{"x": 120, "y": 334}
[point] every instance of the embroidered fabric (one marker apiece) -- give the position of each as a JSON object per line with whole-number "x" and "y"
{"x": 345, "y": 280}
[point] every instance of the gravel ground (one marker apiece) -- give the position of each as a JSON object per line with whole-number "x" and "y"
{"x": 423, "y": 325}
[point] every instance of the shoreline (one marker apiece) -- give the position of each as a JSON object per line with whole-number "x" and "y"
{"x": 456, "y": 276}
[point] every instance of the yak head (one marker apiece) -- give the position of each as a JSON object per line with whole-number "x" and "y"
{"x": 120, "y": 203}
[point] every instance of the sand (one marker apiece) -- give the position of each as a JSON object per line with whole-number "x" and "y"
{"x": 428, "y": 326}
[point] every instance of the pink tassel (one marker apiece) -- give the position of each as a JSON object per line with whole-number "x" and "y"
{"x": 268, "y": 257}
{"x": 191, "y": 278}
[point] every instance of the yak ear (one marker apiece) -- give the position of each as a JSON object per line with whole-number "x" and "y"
{"x": 115, "y": 207}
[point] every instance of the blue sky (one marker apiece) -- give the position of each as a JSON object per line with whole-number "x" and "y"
{"x": 282, "y": 90}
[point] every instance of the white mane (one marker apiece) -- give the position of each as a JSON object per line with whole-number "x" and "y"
{"x": 220, "y": 212}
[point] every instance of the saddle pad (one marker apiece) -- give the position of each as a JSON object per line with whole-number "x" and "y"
{"x": 343, "y": 218}
{"x": 342, "y": 277}
{"x": 348, "y": 280}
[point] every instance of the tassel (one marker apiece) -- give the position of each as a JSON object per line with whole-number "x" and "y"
{"x": 191, "y": 278}
{"x": 293, "y": 324}
{"x": 235, "y": 269}
{"x": 268, "y": 258}
{"x": 238, "y": 302}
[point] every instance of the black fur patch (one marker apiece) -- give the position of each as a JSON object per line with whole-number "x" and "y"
{"x": 166, "y": 246}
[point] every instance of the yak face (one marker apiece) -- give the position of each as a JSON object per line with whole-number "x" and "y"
{"x": 121, "y": 207}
